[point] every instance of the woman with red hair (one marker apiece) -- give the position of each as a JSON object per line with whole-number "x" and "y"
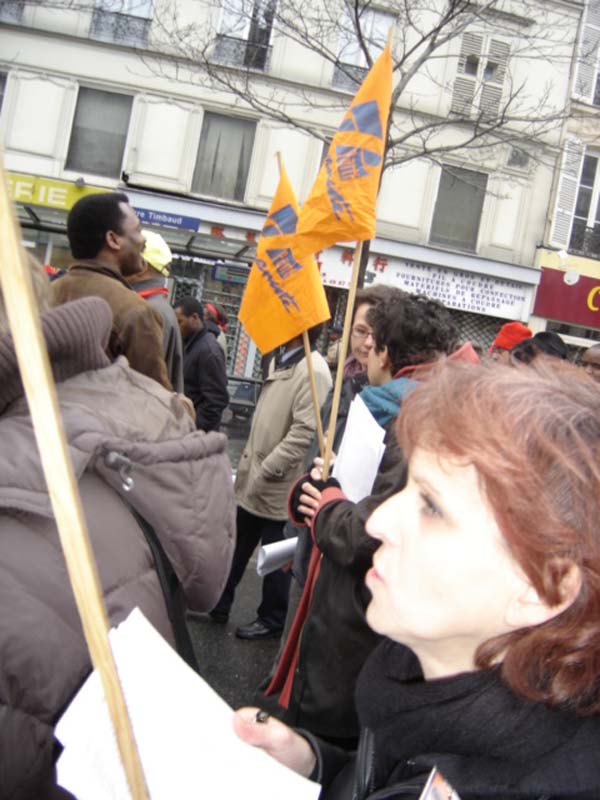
{"x": 486, "y": 584}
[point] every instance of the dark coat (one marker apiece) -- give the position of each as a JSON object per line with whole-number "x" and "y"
{"x": 336, "y": 639}
{"x": 172, "y": 344}
{"x": 137, "y": 327}
{"x": 487, "y": 742}
{"x": 205, "y": 378}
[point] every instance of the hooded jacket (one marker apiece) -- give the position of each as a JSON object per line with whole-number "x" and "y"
{"x": 181, "y": 486}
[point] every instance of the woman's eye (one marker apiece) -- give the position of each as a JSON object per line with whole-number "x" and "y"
{"x": 429, "y": 508}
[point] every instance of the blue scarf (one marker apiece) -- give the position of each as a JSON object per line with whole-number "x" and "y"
{"x": 384, "y": 401}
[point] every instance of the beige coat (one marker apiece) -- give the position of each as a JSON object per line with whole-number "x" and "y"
{"x": 282, "y": 429}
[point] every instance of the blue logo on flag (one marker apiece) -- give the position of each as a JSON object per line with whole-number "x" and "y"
{"x": 288, "y": 300}
{"x": 282, "y": 221}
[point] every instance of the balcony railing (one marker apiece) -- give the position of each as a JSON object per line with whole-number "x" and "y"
{"x": 11, "y": 10}
{"x": 110, "y": 26}
{"x": 348, "y": 76}
{"x": 585, "y": 242}
{"x": 235, "y": 52}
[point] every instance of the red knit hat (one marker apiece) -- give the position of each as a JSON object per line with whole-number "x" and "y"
{"x": 511, "y": 334}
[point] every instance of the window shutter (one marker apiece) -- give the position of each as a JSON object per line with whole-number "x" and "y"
{"x": 491, "y": 89}
{"x": 566, "y": 195}
{"x": 587, "y": 63}
{"x": 463, "y": 92}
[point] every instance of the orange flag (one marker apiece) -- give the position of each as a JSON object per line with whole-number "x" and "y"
{"x": 341, "y": 205}
{"x": 284, "y": 295}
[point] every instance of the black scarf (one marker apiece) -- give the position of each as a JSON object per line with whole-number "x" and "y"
{"x": 487, "y": 741}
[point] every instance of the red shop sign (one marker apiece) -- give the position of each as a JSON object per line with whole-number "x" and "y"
{"x": 557, "y": 300}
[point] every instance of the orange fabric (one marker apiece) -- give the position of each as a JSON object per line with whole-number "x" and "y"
{"x": 341, "y": 205}
{"x": 284, "y": 295}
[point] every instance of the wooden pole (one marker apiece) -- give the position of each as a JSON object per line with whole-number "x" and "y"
{"x": 313, "y": 391}
{"x": 342, "y": 358}
{"x": 311, "y": 371}
{"x": 32, "y": 356}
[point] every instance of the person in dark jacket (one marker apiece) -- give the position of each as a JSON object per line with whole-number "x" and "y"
{"x": 151, "y": 284}
{"x": 106, "y": 240}
{"x": 330, "y": 639}
{"x": 204, "y": 371}
{"x": 485, "y": 583}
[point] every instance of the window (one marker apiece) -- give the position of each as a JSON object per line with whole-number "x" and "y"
{"x": 11, "y": 10}
{"x": 587, "y": 77}
{"x": 351, "y": 66}
{"x": 458, "y": 208}
{"x": 224, "y": 156}
{"x": 122, "y": 21}
{"x": 99, "y": 132}
{"x": 245, "y": 33}
{"x": 585, "y": 230}
{"x": 479, "y": 82}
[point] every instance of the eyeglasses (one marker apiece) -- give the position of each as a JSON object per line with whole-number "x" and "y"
{"x": 361, "y": 333}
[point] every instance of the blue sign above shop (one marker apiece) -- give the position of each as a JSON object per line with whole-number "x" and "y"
{"x": 150, "y": 217}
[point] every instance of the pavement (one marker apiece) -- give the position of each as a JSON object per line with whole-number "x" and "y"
{"x": 234, "y": 667}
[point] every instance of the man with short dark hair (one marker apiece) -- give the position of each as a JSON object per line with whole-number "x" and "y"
{"x": 204, "y": 371}
{"x": 105, "y": 237}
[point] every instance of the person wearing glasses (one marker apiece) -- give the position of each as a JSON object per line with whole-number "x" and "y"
{"x": 330, "y": 640}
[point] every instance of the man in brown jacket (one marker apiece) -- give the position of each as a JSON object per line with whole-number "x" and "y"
{"x": 106, "y": 239}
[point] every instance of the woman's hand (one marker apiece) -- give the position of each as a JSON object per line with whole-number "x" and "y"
{"x": 276, "y": 739}
{"x": 311, "y": 496}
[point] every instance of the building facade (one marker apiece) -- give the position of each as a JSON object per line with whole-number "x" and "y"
{"x": 108, "y": 96}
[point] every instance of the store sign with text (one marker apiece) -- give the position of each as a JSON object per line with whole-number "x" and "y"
{"x": 46, "y": 192}
{"x": 577, "y": 302}
{"x": 465, "y": 291}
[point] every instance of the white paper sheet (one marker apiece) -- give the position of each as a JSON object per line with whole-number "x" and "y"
{"x": 276, "y": 555}
{"x": 182, "y": 727}
{"x": 360, "y": 452}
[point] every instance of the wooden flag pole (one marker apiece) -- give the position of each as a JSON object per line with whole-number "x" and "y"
{"x": 313, "y": 391}
{"x": 40, "y": 391}
{"x": 337, "y": 391}
{"x": 311, "y": 370}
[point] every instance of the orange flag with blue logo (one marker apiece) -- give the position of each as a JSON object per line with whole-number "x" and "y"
{"x": 284, "y": 295}
{"x": 341, "y": 205}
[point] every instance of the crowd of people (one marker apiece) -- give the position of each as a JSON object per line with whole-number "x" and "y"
{"x": 450, "y": 618}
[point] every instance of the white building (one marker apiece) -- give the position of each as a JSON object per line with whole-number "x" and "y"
{"x": 89, "y": 100}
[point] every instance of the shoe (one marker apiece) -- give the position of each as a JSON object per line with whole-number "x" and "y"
{"x": 221, "y": 617}
{"x": 257, "y": 630}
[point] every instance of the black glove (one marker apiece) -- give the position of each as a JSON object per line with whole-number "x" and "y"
{"x": 294, "y": 499}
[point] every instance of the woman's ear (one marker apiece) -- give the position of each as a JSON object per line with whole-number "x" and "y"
{"x": 384, "y": 358}
{"x": 528, "y": 608}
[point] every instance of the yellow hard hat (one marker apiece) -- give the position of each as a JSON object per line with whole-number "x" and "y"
{"x": 157, "y": 252}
